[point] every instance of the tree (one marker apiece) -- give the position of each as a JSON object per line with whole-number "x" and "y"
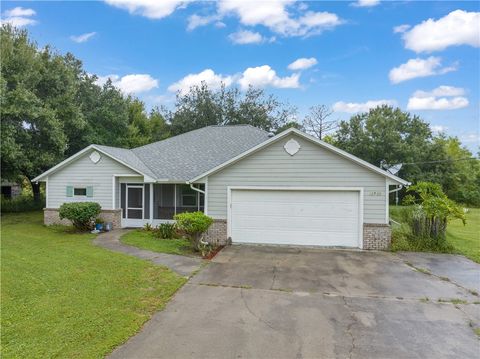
{"x": 291, "y": 124}
{"x": 317, "y": 122}
{"x": 202, "y": 106}
{"x": 388, "y": 134}
{"x": 460, "y": 173}
{"x": 159, "y": 128}
{"x": 37, "y": 105}
{"x": 397, "y": 137}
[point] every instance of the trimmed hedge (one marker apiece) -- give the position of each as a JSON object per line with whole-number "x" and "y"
{"x": 81, "y": 214}
{"x": 194, "y": 224}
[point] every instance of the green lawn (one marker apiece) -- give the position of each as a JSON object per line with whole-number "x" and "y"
{"x": 63, "y": 297}
{"x": 146, "y": 240}
{"x": 464, "y": 239}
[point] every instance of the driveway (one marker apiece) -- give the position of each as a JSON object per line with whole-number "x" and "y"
{"x": 278, "y": 302}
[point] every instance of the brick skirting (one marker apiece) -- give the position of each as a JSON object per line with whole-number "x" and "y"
{"x": 217, "y": 233}
{"x": 50, "y": 216}
{"x": 376, "y": 236}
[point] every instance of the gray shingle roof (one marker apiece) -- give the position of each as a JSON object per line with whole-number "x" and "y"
{"x": 129, "y": 157}
{"x": 186, "y": 156}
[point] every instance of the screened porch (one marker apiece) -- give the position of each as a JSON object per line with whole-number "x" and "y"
{"x": 141, "y": 202}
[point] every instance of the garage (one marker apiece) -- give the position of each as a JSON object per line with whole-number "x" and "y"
{"x": 313, "y": 217}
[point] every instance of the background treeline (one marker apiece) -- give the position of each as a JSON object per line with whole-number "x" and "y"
{"x": 51, "y": 108}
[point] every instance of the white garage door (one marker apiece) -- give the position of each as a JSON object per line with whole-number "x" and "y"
{"x": 320, "y": 218}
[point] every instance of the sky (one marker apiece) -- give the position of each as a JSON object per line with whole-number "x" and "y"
{"x": 422, "y": 56}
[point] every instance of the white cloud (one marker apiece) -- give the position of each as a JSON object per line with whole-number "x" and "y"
{"x": 152, "y": 9}
{"x": 441, "y": 91}
{"x": 302, "y": 63}
{"x": 213, "y": 81}
{"x": 275, "y": 16}
{"x": 19, "y": 11}
{"x": 457, "y": 28}
{"x": 400, "y": 29}
{"x": 418, "y": 67}
{"x": 440, "y": 98}
{"x": 434, "y": 103}
{"x": 195, "y": 21}
{"x": 243, "y": 37}
{"x": 438, "y": 128}
{"x": 354, "y": 107}
{"x": 260, "y": 77}
{"x": 19, "y": 17}
{"x": 128, "y": 84}
{"x": 366, "y": 3}
{"x": 83, "y": 38}
{"x": 263, "y": 76}
{"x": 470, "y": 138}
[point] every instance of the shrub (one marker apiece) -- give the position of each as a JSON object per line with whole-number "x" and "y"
{"x": 147, "y": 227}
{"x": 22, "y": 203}
{"x": 194, "y": 224}
{"x": 82, "y": 214}
{"x": 166, "y": 230}
{"x": 431, "y": 210}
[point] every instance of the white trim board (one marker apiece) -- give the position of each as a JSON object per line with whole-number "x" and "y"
{"x": 293, "y": 188}
{"x": 311, "y": 139}
{"x": 65, "y": 162}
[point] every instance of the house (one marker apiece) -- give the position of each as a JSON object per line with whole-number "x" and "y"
{"x": 286, "y": 189}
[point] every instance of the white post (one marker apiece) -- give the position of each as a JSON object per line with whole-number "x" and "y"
{"x": 151, "y": 203}
{"x": 175, "y": 199}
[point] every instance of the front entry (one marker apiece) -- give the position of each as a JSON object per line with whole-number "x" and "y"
{"x": 134, "y": 206}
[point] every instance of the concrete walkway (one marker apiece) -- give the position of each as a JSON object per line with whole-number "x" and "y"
{"x": 182, "y": 265}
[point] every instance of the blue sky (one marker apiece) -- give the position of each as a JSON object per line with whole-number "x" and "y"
{"x": 353, "y": 55}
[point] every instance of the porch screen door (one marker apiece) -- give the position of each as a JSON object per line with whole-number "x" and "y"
{"x": 134, "y": 201}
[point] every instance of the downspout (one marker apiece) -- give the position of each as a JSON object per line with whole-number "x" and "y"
{"x": 396, "y": 200}
{"x": 203, "y": 192}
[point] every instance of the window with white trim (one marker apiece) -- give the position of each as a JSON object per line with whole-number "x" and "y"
{"x": 80, "y": 191}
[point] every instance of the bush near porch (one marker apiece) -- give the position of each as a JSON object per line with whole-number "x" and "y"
{"x": 63, "y": 297}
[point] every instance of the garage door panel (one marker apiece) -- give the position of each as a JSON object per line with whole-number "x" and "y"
{"x": 298, "y": 223}
{"x": 298, "y": 208}
{"x": 325, "y": 218}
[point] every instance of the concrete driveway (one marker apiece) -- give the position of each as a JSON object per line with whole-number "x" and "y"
{"x": 277, "y": 302}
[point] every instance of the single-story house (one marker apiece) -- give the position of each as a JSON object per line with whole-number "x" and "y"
{"x": 290, "y": 188}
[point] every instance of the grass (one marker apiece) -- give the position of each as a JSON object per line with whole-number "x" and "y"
{"x": 146, "y": 240}
{"x": 460, "y": 239}
{"x": 63, "y": 297}
{"x": 466, "y": 239}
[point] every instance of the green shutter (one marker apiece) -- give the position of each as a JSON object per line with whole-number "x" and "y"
{"x": 69, "y": 191}
{"x": 89, "y": 191}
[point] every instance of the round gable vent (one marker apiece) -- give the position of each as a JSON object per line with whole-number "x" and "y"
{"x": 292, "y": 147}
{"x": 95, "y": 157}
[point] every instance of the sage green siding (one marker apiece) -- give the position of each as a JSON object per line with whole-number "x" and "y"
{"x": 311, "y": 166}
{"x": 84, "y": 173}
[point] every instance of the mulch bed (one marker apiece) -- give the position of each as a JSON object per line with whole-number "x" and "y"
{"x": 214, "y": 252}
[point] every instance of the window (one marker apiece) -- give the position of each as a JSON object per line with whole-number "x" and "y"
{"x": 188, "y": 197}
{"x": 80, "y": 192}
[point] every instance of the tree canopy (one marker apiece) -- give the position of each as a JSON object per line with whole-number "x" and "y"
{"x": 396, "y": 137}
